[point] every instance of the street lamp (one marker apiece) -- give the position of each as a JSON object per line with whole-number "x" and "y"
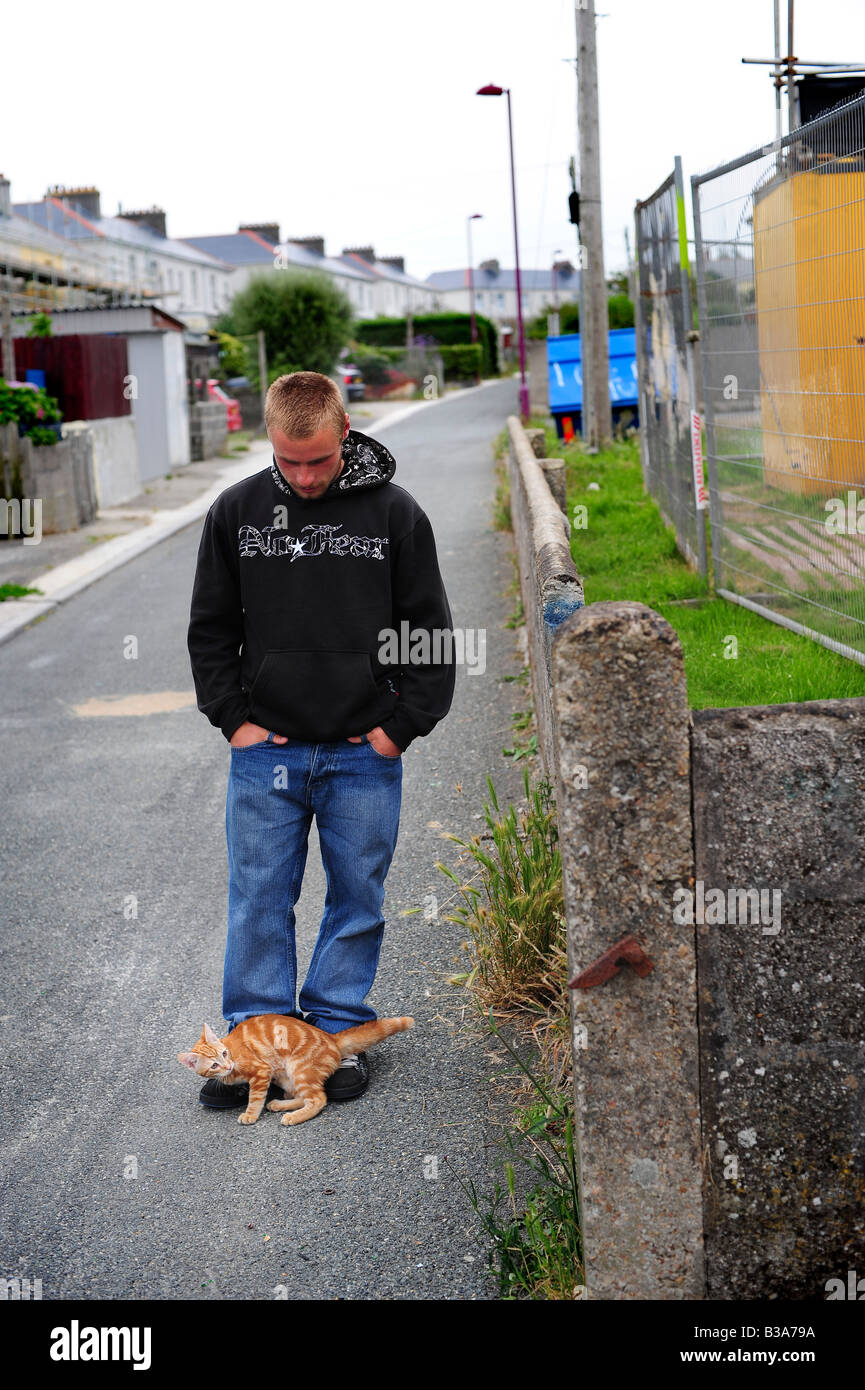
{"x": 492, "y": 91}
{"x": 556, "y": 281}
{"x": 469, "y": 220}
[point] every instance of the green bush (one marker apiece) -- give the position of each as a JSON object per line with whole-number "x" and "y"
{"x": 233, "y": 358}
{"x": 569, "y": 319}
{"x": 620, "y": 310}
{"x": 40, "y": 327}
{"x": 34, "y": 409}
{"x": 306, "y": 321}
{"x": 620, "y": 314}
{"x": 374, "y": 364}
{"x": 462, "y": 362}
{"x": 445, "y": 330}
{"x": 41, "y": 437}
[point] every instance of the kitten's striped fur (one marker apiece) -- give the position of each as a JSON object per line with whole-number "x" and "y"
{"x": 294, "y": 1054}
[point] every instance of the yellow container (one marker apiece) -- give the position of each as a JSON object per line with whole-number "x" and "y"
{"x": 809, "y": 274}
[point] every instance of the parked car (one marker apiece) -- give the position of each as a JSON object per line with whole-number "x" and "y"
{"x": 232, "y": 407}
{"x": 354, "y": 382}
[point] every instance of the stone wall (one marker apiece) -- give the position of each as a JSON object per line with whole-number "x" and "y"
{"x": 208, "y": 429}
{"x": 116, "y": 473}
{"x": 551, "y": 589}
{"x": 60, "y": 475}
{"x": 779, "y": 806}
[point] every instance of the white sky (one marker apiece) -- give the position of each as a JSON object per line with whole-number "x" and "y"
{"x": 357, "y": 119}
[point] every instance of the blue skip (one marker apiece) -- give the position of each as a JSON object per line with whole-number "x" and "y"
{"x": 565, "y": 371}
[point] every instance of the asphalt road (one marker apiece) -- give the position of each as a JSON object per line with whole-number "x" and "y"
{"x": 114, "y": 1182}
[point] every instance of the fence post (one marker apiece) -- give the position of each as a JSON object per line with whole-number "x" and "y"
{"x": 642, "y": 366}
{"x": 624, "y": 810}
{"x": 697, "y": 463}
{"x": 711, "y": 451}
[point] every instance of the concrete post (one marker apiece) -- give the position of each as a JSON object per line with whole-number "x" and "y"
{"x": 624, "y": 808}
{"x": 538, "y": 441}
{"x": 554, "y": 472}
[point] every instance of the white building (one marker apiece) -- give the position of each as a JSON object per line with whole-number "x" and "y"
{"x": 375, "y": 286}
{"x": 496, "y": 291}
{"x": 138, "y": 260}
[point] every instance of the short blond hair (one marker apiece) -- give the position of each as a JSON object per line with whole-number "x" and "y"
{"x": 302, "y": 403}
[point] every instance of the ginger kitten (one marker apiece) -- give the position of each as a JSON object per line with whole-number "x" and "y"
{"x": 294, "y": 1054}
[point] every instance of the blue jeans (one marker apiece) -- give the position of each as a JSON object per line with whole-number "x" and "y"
{"x": 274, "y": 790}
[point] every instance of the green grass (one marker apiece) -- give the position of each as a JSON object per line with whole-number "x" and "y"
{"x": 15, "y": 591}
{"x": 627, "y": 552}
{"x": 515, "y": 918}
{"x": 237, "y": 443}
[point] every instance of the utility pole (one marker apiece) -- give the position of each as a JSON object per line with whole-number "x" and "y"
{"x": 594, "y": 326}
{"x": 792, "y": 113}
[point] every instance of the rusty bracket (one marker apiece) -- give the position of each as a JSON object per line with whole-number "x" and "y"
{"x": 627, "y": 951}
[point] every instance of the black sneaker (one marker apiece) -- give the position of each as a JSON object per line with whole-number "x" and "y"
{"x": 217, "y": 1096}
{"x": 350, "y": 1079}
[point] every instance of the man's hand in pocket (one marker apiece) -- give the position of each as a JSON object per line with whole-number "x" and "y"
{"x": 380, "y": 742}
{"x": 253, "y": 733}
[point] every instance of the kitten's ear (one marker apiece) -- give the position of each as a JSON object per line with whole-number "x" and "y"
{"x": 188, "y": 1059}
{"x": 210, "y": 1036}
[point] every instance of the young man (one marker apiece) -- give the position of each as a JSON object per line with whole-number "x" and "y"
{"x": 303, "y": 570}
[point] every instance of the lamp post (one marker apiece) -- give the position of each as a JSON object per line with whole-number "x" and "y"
{"x": 492, "y": 91}
{"x": 469, "y": 220}
{"x": 553, "y": 327}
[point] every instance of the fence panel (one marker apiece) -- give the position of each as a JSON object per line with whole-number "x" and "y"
{"x": 669, "y": 425}
{"x": 780, "y": 250}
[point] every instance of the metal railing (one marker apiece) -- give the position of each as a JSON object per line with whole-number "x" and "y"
{"x": 780, "y": 260}
{"x": 670, "y": 432}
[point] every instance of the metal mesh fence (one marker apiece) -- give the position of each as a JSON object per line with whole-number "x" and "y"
{"x": 780, "y": 249}
{"x": 670, "y": 435}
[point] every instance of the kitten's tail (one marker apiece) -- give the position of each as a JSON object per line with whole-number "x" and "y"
{"x": 367, "y": 1034}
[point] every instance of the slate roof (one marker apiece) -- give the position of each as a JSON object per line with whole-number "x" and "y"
{"x": 504, "y": 279}
{"x": 73, "y": 224}
{"x": 248, "y": 248}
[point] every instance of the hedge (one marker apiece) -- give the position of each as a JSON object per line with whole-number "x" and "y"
{"x": 462, "y": 361}
{"x": 440, "y": 330}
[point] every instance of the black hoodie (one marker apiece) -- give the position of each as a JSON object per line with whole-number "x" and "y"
{"x": 291, "y": 595}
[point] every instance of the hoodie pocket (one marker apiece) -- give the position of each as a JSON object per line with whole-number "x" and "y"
{"x": 314, "y": 694}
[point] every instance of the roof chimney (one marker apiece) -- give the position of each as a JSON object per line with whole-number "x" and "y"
{"x": 5, "y": 197}
{"x": 86, "y": 200}
{"x": 491, "y": 266}
{"x": 268, "y": 230}
{"x": 366, "y": 253}
{"x": 150, "y": 217}
{"x": 398, "y": 262}
{"x": 315, "y": 244}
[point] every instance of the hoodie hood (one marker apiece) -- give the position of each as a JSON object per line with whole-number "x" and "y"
{"x": 366, "y": 464}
